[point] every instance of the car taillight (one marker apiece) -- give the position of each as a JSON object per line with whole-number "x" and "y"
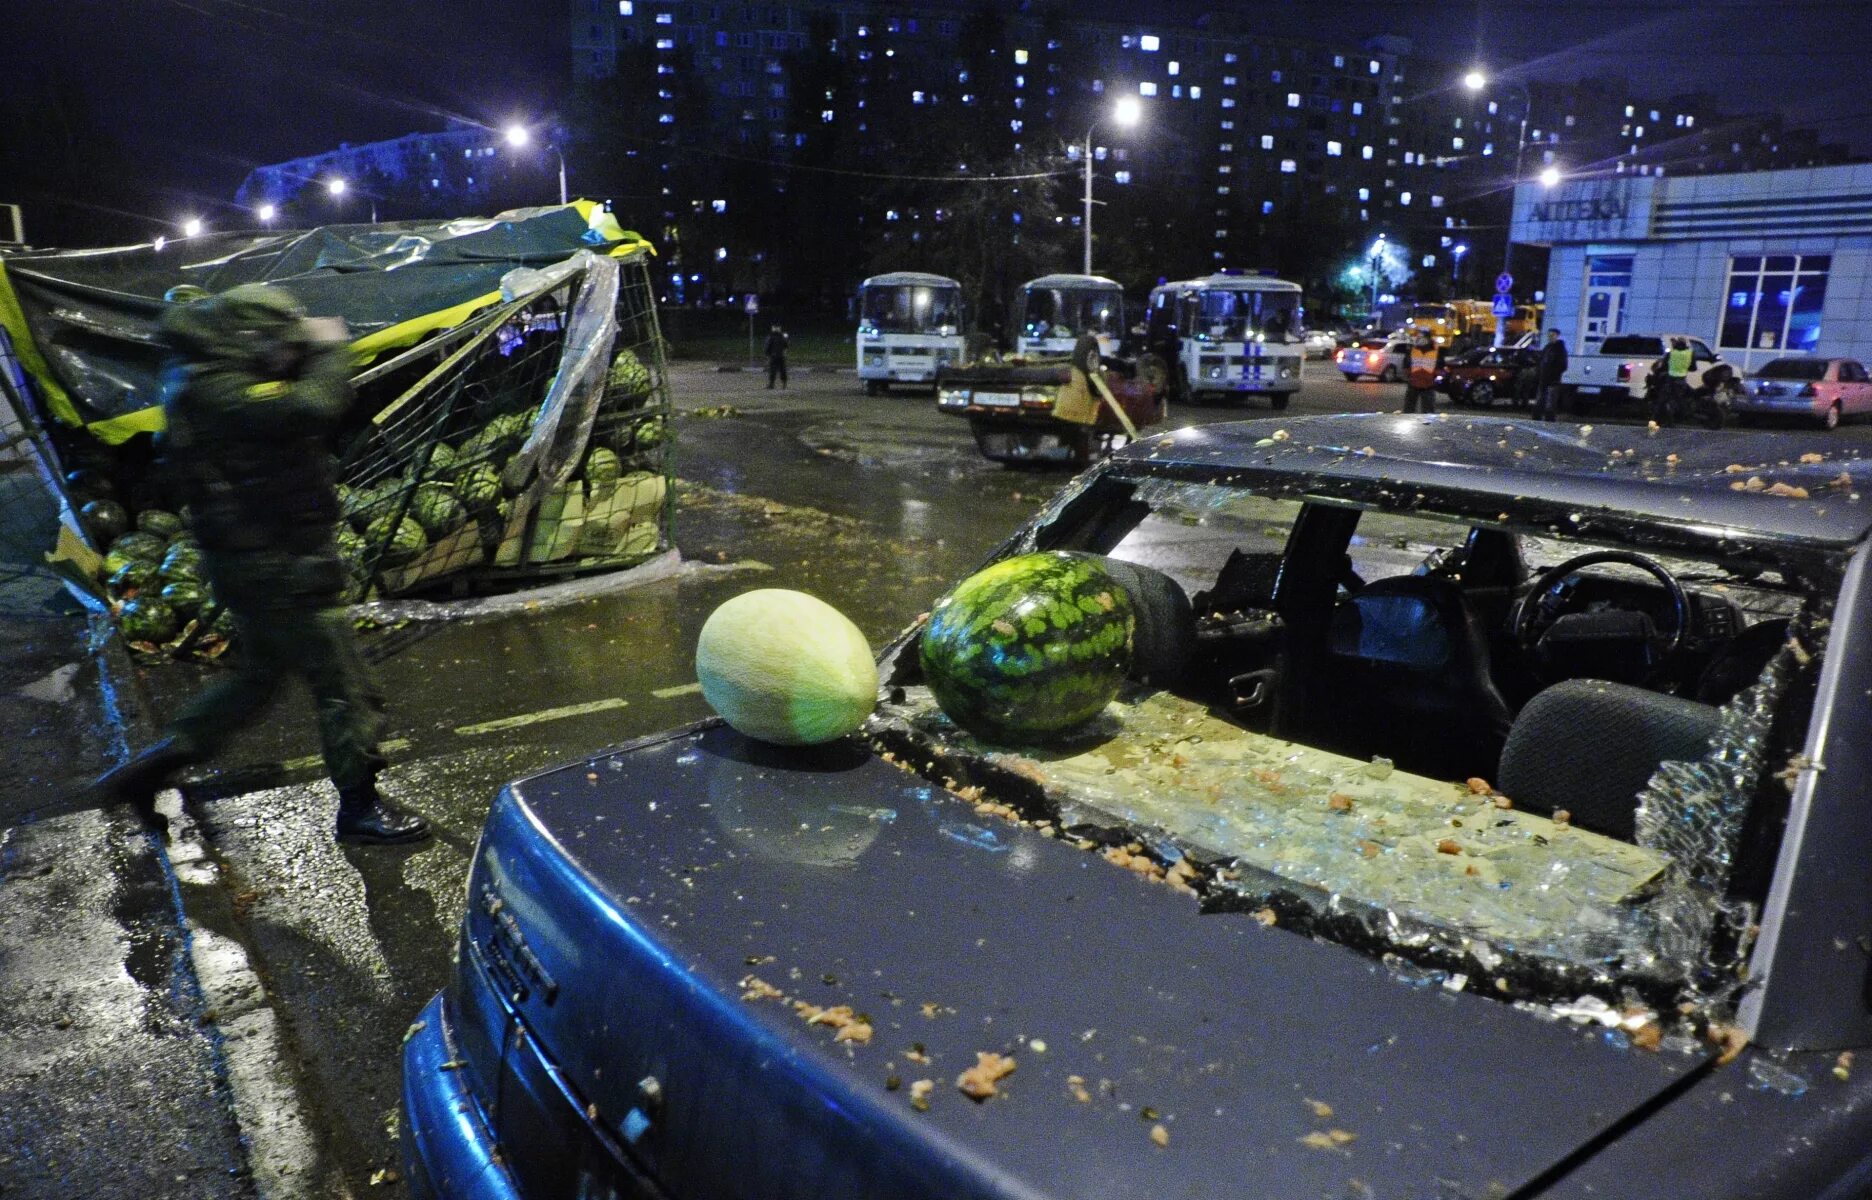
{"x": 1624, "y": 372}
{"x": 1338, "y": 356}
{"x": 1372, "y": 356}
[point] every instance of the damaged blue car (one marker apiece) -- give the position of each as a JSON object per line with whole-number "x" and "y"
{"x": 1500, "y": 831}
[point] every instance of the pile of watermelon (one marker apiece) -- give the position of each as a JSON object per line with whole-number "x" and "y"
{"x": 153, "y": 576}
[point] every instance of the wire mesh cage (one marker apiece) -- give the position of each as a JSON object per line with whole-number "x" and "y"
{"x": 533, "y": 443}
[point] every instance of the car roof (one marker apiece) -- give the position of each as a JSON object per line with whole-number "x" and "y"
{"x": 1090, "y": 282}
{"x": 1682, "y": 477}
{"x": 909, "y": 279}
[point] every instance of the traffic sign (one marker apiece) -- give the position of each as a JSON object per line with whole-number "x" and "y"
{"x": 1504, "y": 282}
{"x": 753, "y": 304}
{"x": 1504, "y": 304}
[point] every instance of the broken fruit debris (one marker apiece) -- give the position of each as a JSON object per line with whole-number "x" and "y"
{"x": 1329, "y": 1139}
{"x": 978, "y": 1082}
{"x": 846, "y": 1025}
{"x": 1732, "y": 1038}
{"x": 1160, "y": 1135}
{"x": 920, "y": 1094}
{"x": 1320, "y": 1108}
{"x": 1076, "y": 1085}
{"x": 756, "y": 988}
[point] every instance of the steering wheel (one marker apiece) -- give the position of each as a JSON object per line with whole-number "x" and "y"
{"x": 1546, "y": 603}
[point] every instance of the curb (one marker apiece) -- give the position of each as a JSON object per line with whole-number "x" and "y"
{"x": 807, "y": 368}
{"x": 276, "y": 1131}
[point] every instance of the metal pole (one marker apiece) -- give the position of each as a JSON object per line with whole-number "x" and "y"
{"x": 1088, "y": 200}
{"x": 562, "y": 182}
{"x": 1507, "y": 256}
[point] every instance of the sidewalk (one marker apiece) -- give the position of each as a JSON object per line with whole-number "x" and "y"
{"x": 110, "y": 1066}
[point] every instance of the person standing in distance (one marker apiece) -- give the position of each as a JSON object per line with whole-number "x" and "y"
{"x": 1553, "y": 365}
{"x": 251, "y": 397}
{"x": 776, "y": 357}
{"x": 1420, "y": 372}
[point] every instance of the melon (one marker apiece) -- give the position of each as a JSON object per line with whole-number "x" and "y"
{"x": 602, "y": 470}
{"x": 437, "y": 510}
{"x": 479, "y": 487}
{"x": 398, "y": 545}
{"x": 146, "y": 620}
{"x": 88, "y": 484}
{"x": 164, "y": 525}
{"x": 1029, "y": 649}
{"x": 628, "y": 377}
{"x": 104, "y": 520}
{"x": 785, "y": 667}
{"x": 185, "y": 598}
{"x": 136, "y": 575}
{"x": 183, "y": 561}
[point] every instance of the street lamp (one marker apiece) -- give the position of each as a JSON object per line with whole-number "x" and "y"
{"x": 519, "y": 135}
{"x": 1124, "y": 114}
{"x": 1475, "y": 81}
{"x": 266, "y": 213}
{"x": 1377, "y": 259}
{"x": 337, "y": 186}
{"x": 192, "y": 227}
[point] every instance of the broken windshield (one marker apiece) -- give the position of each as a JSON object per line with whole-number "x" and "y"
{"x": 1385, "y": 735}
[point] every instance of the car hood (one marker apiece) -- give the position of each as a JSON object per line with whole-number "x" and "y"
{"x": 661, "y": 894}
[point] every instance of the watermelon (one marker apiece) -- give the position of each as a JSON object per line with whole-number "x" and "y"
{"x": 628, "y": 377}
{"x": 602, "y": 470}
{"x": 145, "y": 620}
{"x": 104, "y": 520}
{"x": 136, "y": 575}
{"x": 478, "y": 487}
{"x": 141, "y": 545}
{"x": 650, "y": 435}
{"x": 185, "y": 597}
{"x": 436, "y": 509}
{"x": 1030, "y": 648}
{"x": 785, "y": 667}
{"x": 182, "y": 563}
{"x": 366, "y": 504}
{"x": 437, "y": 464}
{"x": 501, "y": 433}
{"x": 164, "y": 525}
{"x": 350, "y": 545}
{"x": 399, "y": 545}
{"x": 223, "y": 624}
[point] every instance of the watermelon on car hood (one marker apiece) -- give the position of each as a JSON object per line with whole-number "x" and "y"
{"x": 675, "y": 901}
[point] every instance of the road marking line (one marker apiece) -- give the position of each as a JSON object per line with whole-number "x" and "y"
{"x": 315, "y": 760}
{"x": 544, "y": 714}
{"x": 670, "y": 693}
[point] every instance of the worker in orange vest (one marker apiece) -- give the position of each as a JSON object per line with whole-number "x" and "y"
{"x": 1420, "y": 374}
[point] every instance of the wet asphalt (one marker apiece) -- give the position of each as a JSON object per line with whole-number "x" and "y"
{"x": 872, "y": 503}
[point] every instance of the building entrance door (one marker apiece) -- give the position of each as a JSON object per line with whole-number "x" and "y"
{"x": 1602, "y": 306}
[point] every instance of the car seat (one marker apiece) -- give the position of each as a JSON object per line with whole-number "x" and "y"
{"x": 1589, "y": 746}
{"x": 1408, "y": 677}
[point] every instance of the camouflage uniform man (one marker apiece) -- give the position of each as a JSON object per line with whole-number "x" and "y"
{"x": 250, "y": 403}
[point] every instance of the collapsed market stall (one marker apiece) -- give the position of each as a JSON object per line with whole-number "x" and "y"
{"x": 511, "y": 424}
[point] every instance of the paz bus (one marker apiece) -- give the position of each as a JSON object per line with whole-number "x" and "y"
{"x": 909, "y": 324}
{"x": 1057, "y": 310}
{"x": 1233, "y": 334}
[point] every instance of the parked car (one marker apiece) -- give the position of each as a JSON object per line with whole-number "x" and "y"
{"x": 1500, "y": 833}
{"x": 1827, "y": 389}
{"x": 1615, "y": 371}
{"x": 1320, "y": 343}
{"x": 1482, "y": 376}
{"x": 1382, "y": 359}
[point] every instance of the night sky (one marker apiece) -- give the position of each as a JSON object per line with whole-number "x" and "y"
{"x": 200, "y": 91}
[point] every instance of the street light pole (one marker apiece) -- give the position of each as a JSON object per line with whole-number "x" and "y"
{"x": 1475, "y": 81}
{"x": 1126, "y": 113}
{"x": 1377, "y": 258}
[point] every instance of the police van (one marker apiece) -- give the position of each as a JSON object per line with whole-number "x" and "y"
{"x": 1230, "y": 335}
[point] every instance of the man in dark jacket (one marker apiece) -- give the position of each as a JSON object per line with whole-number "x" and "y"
{"x": 1553, "y": 364}
{"x": 251, "y": 400}
{"x": 776, "y": 357}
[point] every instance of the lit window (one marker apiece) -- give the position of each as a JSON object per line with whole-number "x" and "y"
{"x": 1289, "y": 166}
{"x": 1639, "y": 132}
{"x": 1098, "y": 87}
{"x": 1488, "y": 148}
{"x": 627, "y": 8}
{"x": 1147, "y": 89}
{"x": 1226, "y": 148}
{"x": 1537, "y": 135}
{"x": 1689, "y": 121}
{"x": 1334, "y": 149}
{"x": 1122, "y": 176}
{"x": 666, "y": 43}
{"x": 865, "y": 31}
{"x": 1374, "y": 66}
{"x": 1195, "y": 92}
{"x": 1224, "y": 169}
{"x": 1267, "y": 206}
{"x": 1223, "y": 190}
{"x": 1403, "y": 198}
{"x": 1458, "y": 124}
{"x": 1493, "y": 108}
{"x": 1267, "y": 141}
{"x": 825, "y": 114}
{"x": 1364, "y": 193}
{"x": 1629, "y": 112}
{"x": 1229, "y": 57}
{"x": 720, "y": 206}
{"x": 1358, "y": 108}
{"x": 1365, "y": 152}
{"x": 1149, "y": 43}
{"x": 916, "y": 97}
{"x": 1455, "y": 143}
{"x": 1020, "y": 58}
{"x": 1654, "y": 115}
{"x": 1569, "y": 120}
{"x": 1338, "y": 60}
{"x": 1293, "y": 99}
{"x": 1221, "y": 233}
{"x": 666, "y": 119}
{"x": 1436, "y": 202}
{"x": 1228, "y": 81}
{"x": 1015, "y": 125}
{"x": 1176, "y": 91}
{"x": 1228, "y": 102}
{"x": 1227, "y": 124}
{"x": 1175, "y": 68}
{"x": 664, "y": 18}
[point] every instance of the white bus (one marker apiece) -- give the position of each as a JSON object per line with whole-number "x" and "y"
{"x": 1230, "y": 335}
{"x": 1057, "y": 310}
{"x": 909, "y": 324}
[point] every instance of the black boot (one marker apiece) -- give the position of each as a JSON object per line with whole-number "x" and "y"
{"x": 365, "y": 818}
{"x": 137, "y": 780}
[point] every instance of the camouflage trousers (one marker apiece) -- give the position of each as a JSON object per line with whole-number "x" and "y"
{"x": 288, "y": 623}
